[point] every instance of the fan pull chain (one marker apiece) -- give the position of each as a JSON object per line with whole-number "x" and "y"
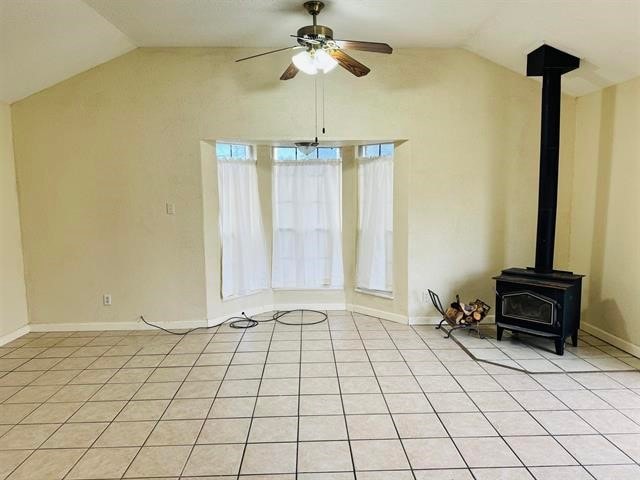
{"x": 315, "y": 101}
{"x": 323, "y": 106}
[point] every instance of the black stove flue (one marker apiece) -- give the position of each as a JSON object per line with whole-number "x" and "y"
{"x": 543, "y": 301}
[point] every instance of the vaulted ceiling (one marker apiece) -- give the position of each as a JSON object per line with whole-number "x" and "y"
{"x": 45, "y": 41}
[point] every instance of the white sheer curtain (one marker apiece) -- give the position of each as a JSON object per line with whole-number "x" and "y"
{"x": 244, "y": 253}
{"x": 307, "y": 224}
{"x": 375, "y": 224}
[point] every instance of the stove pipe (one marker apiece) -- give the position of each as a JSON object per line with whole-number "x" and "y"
{"x": 551, "y": 64}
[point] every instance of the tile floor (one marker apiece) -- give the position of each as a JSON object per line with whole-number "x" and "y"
{"x": 354, "y": 397}
{"x": 533, "y": 354}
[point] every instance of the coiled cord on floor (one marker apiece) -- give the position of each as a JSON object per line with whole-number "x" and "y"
{"x": 244, "y": 321}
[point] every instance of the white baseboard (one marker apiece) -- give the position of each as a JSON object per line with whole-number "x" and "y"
{"x": 10, "y": 337}
{"x": 374, "y": 312}
{"x": 209, "y": 322}
{"x": 95, "y": 326}
{"x": 610, "y": 338}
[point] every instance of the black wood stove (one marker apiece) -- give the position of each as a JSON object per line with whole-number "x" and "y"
{"x": 543, "y": 301}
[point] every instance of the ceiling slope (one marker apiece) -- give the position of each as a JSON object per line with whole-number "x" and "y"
{"x": 45, "y": 41}
{"x": 604, "y": 33}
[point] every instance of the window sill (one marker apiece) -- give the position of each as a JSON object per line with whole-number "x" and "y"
{"x": 375, "y": 293}
{"x": 306, "y": 289}
{"x": 244, "y": 295}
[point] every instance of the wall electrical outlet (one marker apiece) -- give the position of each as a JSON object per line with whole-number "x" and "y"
{"x": 171, "y": 208}
{"x": 106, "y": 299}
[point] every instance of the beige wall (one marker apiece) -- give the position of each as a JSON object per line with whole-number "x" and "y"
{"x": 99, "y": 155}
{"x": 605, "y": 223}
{"x": 13, "y": 305}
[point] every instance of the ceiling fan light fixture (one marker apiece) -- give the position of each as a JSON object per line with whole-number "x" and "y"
{"x": 310, "y": 62}
{"x": 325, "y": 62}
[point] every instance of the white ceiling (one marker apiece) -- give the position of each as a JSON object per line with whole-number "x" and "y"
{"x": 45, "y": 41}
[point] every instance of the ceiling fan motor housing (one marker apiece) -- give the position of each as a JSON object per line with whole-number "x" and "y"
{"x": 314, "y": 32}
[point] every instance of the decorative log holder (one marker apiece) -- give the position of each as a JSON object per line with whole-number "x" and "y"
{"x": 464, "y": 321}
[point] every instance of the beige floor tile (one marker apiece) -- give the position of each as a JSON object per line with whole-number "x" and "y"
{"x": 564, "y": 473}
{"x": 235, "y": 407}
{"x": 364, "y": 403}
{"x": 279, "y": 386}
{"x": 88, "y": 377}
{"x": 204, "y": 389}
{"x": 52, "y": 413}
{"x": 47, "y": 464}
{"x": 274, "y": 429}
{"x": 407, "y": 403}
{"x": 192, "y": 408}
{"x": 467, "y": 425}
{"x": 10, "y": 459}
{"x": 266, "y": 458}
{"x": 594, "y": 449}
{"x": 486, "y": 452}
{"x": 22, "y": 437}
{"x": 103, "y": 463}
{"x": 200, "y": 374}
{"x": 169, "y": 374}
{"x": 239, "y": 388}
{"x": 12, "y": 414}
{"x": 125, "y": 434}
{"x": 214, "y": 460}
{"x": 131, "y": 375}
{"x": 75, "y": 393}
{"x": 379, "y": 455}
{"x": 98, "y": 411}
{"x": 537, "y": 451}
{"x": 419, "y": 425}
{"x": 142, "y": 410}
{"x": 281, "y": 406}
{"x": 157, "y": 391}
{"x": 371, "y": 427}
{"x": 324, "y": 457}
{"x": 34, "y": 394}
{"x": 613, "y": 472}
{"x": 175, "y": 432}
{"x": 330, "y": 427}
{"x": 75, "y": 435}
{"x": 158, "y": 462}
{"x": 515, "y": 423}
{"x": 511, "y": 473}
{"x": 225, "y": 430}
{"x": 432, "y": 453}
{"x": 116, "y": 391}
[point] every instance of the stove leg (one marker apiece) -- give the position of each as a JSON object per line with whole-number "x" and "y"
{"x": 499, "y": 331}
{"x": 559, "y": 346}
{"x": 574, "y": 339}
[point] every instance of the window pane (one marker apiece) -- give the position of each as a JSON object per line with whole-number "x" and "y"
{"x": 240, "y": 151}
{"x": 386, "y": 149}
{"x": 223, "y": 150}
{"x": 284, "y": 153}
{"x": 371, "y": 150}
{"x": 329, "y": 153}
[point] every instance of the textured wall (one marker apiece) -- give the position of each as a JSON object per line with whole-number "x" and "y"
{"x": 605, "y": 226}
{"x": 13, "y": 306}
{"x": 99, "y": 154}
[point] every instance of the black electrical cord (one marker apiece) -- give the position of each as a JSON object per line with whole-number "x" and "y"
{"x": 245, "y": 321}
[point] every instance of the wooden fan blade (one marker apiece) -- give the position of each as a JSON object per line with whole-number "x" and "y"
{"x": 349, "y": 63}
{"x": 290, "y": 72}
{"x": 266, "y": 53}
{"x": 365, "y": 46}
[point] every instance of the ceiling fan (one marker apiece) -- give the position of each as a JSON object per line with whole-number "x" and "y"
{"x": 321, "y": 52}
